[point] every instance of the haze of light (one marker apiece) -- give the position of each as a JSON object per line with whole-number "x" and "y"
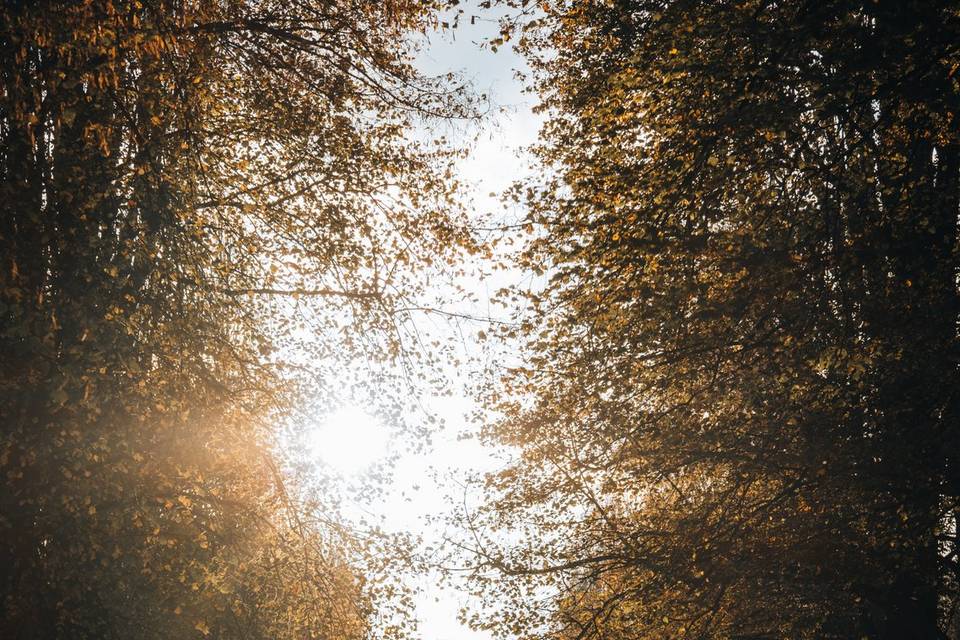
{"x": 349, "y": 441}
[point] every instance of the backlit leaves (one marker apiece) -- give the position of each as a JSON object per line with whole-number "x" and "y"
{"x": 188, "y": 190}
{"x": 736, "y": 370}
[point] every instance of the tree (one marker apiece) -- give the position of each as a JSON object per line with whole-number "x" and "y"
{"x": 738, "y": 413}
{"x": 188, "y": 188}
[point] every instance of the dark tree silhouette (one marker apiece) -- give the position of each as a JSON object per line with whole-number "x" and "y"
{"x": 739, "y": 410}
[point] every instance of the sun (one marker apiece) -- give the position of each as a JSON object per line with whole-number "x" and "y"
{"x": 349, "y": 440}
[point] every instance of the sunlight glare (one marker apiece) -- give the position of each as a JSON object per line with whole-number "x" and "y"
{"x": 349, "y": 440}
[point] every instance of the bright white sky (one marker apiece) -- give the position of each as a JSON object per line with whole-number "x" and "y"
{"x": 495, "y": 162}
{"x": 350, "y": 439}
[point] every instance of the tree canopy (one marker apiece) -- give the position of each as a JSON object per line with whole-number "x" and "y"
{"x": 738, "y": 411}
{"x": 187, "y": 189}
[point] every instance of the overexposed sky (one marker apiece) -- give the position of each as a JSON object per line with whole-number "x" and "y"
{"x": 494, "y": 163}
{"x": 424, "y": 482}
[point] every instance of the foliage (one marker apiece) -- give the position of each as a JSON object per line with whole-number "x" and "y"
{"x": 190, "y": 191}
{"x": 738, "y": 412}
